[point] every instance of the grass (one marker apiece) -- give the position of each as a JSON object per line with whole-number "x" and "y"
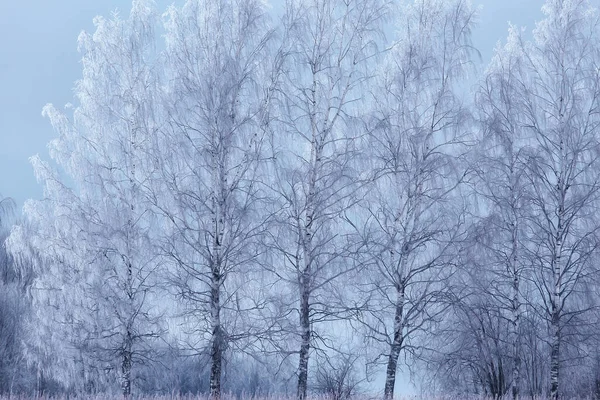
{"x": 272, "y": 397}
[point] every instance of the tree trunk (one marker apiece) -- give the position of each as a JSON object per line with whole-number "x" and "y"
{"x": 305, "y": 338}
{"x": 396, "y": 346}
{"x": 516, "y": 372}
{"x": 516, "y": 315}
{"x": 306, "y": 276}
{"x": 217, "y": 265}
{"x": 216, "y": 352}
{"x": 556, "y": 307}
{"x": 554, "y": 356}
{"x": 126, "y": 364}
{"x": 127, "y": 355}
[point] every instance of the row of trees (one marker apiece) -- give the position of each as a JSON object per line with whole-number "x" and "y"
{"x": 309, "y": 198}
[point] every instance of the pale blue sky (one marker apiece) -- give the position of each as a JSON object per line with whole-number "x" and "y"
{"x": 39, "y": 64}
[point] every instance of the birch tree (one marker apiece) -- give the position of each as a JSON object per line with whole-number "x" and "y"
{"x": 558, "y": 97}
{"x": 209, "y": 154}
{"x": 501, "y": 168}
{"x": 92, "y": 229}
{"x": 563, "y": 112}
{"x": 327, "y": 49}
{"x": 414, "y": 209}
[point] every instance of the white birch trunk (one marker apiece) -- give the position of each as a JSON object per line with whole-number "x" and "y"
{"x": 126, "y": 363}
{"x": 216, "y": 350}
{"x": 556, "y": 302}
{"x": 516, "y": 309}
{"x": 555, "y": 331}
{"x": 218, "y": 340}
{"x": 396, "y": 345}
{"x": 305, "y": 336}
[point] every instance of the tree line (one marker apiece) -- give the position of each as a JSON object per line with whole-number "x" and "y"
{"x": 253, "y": 200}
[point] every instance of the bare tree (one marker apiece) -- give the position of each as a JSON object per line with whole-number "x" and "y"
{"x": 474, "y": 357}
{"x": 209, "y": 153}
{"x": 337, "y": 377}
{"x": 91, "y": 235}
{"x": 502, "y": 184}
{"x": 556, "y": 101}
{"x": 414, "y": 208}
{"x": 327, "y": 45}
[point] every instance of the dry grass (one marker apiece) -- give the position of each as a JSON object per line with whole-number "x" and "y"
{"x": 273, "y": 397}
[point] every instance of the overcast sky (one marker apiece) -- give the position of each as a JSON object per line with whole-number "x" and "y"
{"x": 39, "y": 64}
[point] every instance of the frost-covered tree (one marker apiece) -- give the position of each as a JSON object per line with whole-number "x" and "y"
{"x": 414, "y": 212}
{"x": 560, "y": 98}
{"x": 545, "y": 94}
{"x": 326, "y": 48}
{"x": 500, "y": 236}
{"x": 92, "y": 232}
{"x": 209, "y": 152}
